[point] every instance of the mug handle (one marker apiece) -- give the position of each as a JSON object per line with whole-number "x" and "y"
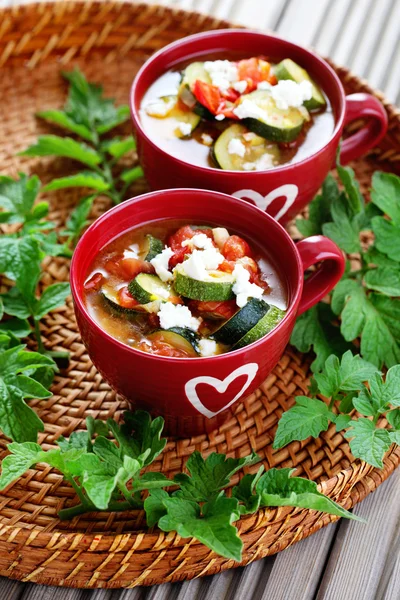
{"x": 313, "y": 250}
{"x": 357, "y": 106}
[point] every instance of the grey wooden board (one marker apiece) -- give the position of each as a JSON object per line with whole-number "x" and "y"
{"x": 344, "y": 560}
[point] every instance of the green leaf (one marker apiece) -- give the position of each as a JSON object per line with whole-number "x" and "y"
{"x": 393, "y": 418}
{"x": 277, "y": 487}
{"x": 347, "y": 376}
{"x": 344, "y": 230}
{"x": 154, "y": 506}
{"x": 385, "y": 280}
{"x": 61, "y": 118}
{"x": 108, "y": 452}
{"x": 19, "y": 327}
{"x": 138, "y": 434}
{"x": 368, "y": 442}
{"x": 96, "y": 426}
{"x": 374, "y": 318}
{"x": 208, "y": 476}
{"x": 29, "y": 388}
{"x": 18, "y": 196}
{"x": 117, "y": 147}
{"x": 121, "y": 114}
{"x": 22, "y": 457}
{"x": 100, "y": 487}
{"x": 17, "y": 420}
{"x": 17, "y": 360}
{"x": 385, "y": 194}
{"x": 354, "y": 197}
{"x": 342, "y": 422}
{"x": 319, "y": 209}
{"x": 20, "y": 259}
{"x": 244, "y": 492}
{"x": 53, "y": 145}
{"x": 395, "y": 437}
{"x": 52, "y": 297}
{"x": 78, "y": 440}
{"x": 313, "y": 329}
{"x": 130, "y": 175}
{"x": 213, "y": 528}
{"x": 373, "y": 256}
{"x": 78, "y": 219}
{"x": 387, "y": 237}
{"x": 308, "y": 417}
{"x": 151, "y": 481}
{"x": 87, "y": 179}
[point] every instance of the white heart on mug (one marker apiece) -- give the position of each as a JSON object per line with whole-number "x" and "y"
{"x": 250, "y": 370}
{"x": 289, "y": 190}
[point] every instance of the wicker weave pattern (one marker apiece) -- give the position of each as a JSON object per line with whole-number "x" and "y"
{"x": 110, "y": 41}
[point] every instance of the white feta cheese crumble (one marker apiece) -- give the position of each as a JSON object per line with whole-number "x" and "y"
{"x": 249, "y": 136}
{"x": 240, "y": 86}
{"x": 200, "y": 262}
{"x": 159, "y": 108}
{"x": 264, "y": 85}
{"x": 288, "y": 93}
{"x": 132, "y": 251}
{"x": 266, "y": 161}
{"x": 242, "y": 287}
{"x": 184, "y": 128}
{"x": 207, "y": 347}
{"x": 200, "y": 241}
{"x": 162, "y": 292}
{"x": 223, "y": 73}
{"x": 220, "y": 235}
{"x": 220, "y": 117}
{"x": 177, "y": 315}
{"x": 248, "y": 109}
{"x": 206, "y": 139}
{"x": 235, "y": 146}
{"x": 160, "y": 263}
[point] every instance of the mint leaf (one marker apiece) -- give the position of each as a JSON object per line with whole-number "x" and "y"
{"x": 22, "y": 457}
{"x": 20, "y": 259}
{"x": 17, "y": 420}
{"x": 53, "y": 145}
{"x": 118, "y": 148}
{"x": 138, "y": 434}
{"x": 385, "y": 194}
{"x": 83, "y": 179}
{"x": 78, "y": 440}
{"x": 341, "y": 422}
{"x": 313, "y": 329}
{"x": 387, "y": 237}
{"x": 345, "y": 229}
{"x": 319, "y": 209}
{"x": 308, "y": 417}
{"x": 277, "y": 487}
{"x": 244, "y": 493}
{"x": 393, "y": 418}
{"x": 347, "y": 375}
{"x": 108, "y": 452}
{"x": 78, "y": 219}
{"x": 208, "y": 476}
{"x": 154, "y": 506}
{"x": 18, "y": 327}
{"x": 368, "y": 442}
{"x": 18, "y": 196}
{"x": 52, "y": 297}
{"x": 96, "y": 426}
{"x": 353, "y": 195}
{"x": 130, "y": 175}
{"x": 385, "y": 280}
{"x": 61, "y": 118}
{"x": 211, "y": 524}
{"x": 30, "y": 388}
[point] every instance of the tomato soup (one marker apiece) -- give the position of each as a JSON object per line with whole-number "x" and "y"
{"x": 184, "y": 290}
{"x": 238, "y": 115}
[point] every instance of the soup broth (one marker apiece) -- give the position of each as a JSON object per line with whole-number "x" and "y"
{"x": 274, "y": 125}
{"x": 144, "y": 291}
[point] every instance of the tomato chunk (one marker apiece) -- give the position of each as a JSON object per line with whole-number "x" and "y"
{"x": 208, "y": 95}
{"x": 125, "y": 299}
{"x": 214, "y": 310}
{"x": 235, "y": 247}
{"x": 94, "y": 283}
{"x": 254, "y": 70}
{"x": 176, "y": 240}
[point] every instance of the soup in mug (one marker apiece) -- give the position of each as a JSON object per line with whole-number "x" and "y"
{"x": 184, "y": 290}
{"x": 238, "y": 115}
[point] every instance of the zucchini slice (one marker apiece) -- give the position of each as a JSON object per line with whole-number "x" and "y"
{"x": 152, "y": 247}
{"x": 288, "y": 69}
{"x": 110, "y": 296}
{"x": 243, "y": 321}
{"x": 264, "y": 326}
{"x": 190, "y": 75}
{"x": 218, "y": 287}
{"x": 148, "y": 288}
{"x": 256, "y": 148}
{"x": 177, "y": 337}
{"x": 278, "y": 125}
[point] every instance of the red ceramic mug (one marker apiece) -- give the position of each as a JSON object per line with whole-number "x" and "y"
{"x": 284, "y": 190}
{"x": 192, "y": 394}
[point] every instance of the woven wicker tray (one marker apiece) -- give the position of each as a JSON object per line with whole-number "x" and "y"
{"x": 109, "y": 41}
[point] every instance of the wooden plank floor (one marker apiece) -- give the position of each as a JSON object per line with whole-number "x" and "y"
{"x": 347, "y": 560}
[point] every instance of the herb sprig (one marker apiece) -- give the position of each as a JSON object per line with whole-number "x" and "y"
{"x": 350, "y": 384}
{"x": 109, "y": 475}
{"x": 89, "y": 116}
{"x": 366, "y": 300}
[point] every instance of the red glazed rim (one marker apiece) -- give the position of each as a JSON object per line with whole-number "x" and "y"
{"x": 240, "y": 205}
{"x": 222, "y": 33}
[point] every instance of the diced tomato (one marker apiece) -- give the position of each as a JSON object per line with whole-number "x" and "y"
{"x": 181, "y": 235}
{"x": 94, "y": 283}
{"x": 256, "y": 278}
{"x": 254, "y": 70}
{"x": 208, "y": 95}
{"x": 125, "y": 299}
{"x": 163, "y": 349}
{"x": 214, "y": 310}
{"x": 176, "y": 240}
{"x": 226, "y": 266}
{"x": 231, "y": 95}
{"x": 153, "y": 320}
{"x": 112, "y": 265}
{"x": 130, "y": 267}
{"x": 235, "y": 247}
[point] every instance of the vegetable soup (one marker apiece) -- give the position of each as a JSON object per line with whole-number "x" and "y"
{"x": 237, "y": 115}
{"x": 181, "y": 290}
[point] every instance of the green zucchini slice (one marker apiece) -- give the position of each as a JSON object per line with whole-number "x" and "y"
{"x": 110, "y": 296}
{"x": 288, "y": 69}
{"x": 278, "y": 125}
{"x": 264, "y": 326}
{"x": 152, "y": 247}
{"x": 190, "y": 75}
{"x": 148, "y": 288}
{"x": 256, "y": 147}
{"x": 243, "y": 321}
{"x": 177, "y": 337}
{"x": 218, "y": 287}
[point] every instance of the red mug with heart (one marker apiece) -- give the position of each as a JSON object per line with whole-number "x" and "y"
{"x": 283, "y": 190}
{"x": 194, "y": 394}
